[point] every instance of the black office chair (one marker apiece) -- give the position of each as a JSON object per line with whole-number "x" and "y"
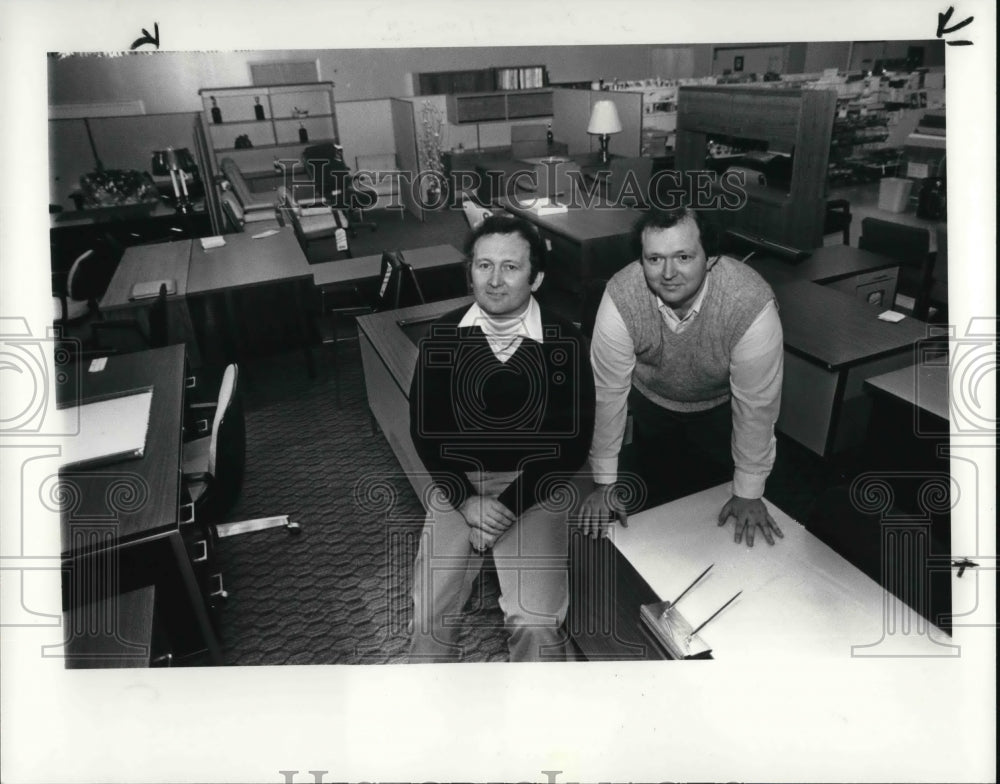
{"x": 213, "y": 464}
{"x": 334, "y": 181}
{"x": 838, "y": 219}
{"x": 321, "y": 231}
{"x": 344, "y": 303}
{"x": 937, "y": 297}
{"x": 910, "y": 245}
{"x": 120, "y": 336}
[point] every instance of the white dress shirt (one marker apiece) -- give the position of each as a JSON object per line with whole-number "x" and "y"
{"x": 505, "y": 335}
{"x": 755, "y": 374}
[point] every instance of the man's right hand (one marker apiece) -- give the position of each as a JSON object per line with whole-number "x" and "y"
{"x": 600, "y": 508}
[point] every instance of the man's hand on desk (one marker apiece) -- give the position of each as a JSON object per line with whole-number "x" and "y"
{"x": 602, "y": 506}
{"x": 748, "y": 514}
{"x": 487, "y": 518}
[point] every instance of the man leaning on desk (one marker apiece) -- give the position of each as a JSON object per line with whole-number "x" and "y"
{"x": 690, "y": 343}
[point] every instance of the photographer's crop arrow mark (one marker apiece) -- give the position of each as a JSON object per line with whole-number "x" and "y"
{"x": 155, "y": 38}
{"x": 944, "y": 18}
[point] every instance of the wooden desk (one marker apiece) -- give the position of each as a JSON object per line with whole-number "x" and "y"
{"x": 923, "y": 386}
{"x": 335, "y": 273}
{"x": 144, "y": 263}
{"x": 833, "y": 342}
{"x": 218, "y": 276}
{"x": 244, "y": 262}
{"x": 868, "y": 276}
{"x": 121, "y": 522}
{"x": 389, "y": 354}
{"x": 583, "y": 243}
{"x": 800, "y": 599}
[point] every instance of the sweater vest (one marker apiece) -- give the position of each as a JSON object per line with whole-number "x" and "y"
{"x": 689, "y": 371}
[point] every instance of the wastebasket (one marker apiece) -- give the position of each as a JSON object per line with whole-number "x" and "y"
{"x": 894, "y": 193}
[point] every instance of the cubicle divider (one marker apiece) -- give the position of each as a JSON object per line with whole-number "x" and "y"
{"x": 404, "y": 131}
{"x": 118, "y": 143}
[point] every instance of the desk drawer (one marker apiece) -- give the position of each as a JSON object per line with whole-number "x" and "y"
{"x": 876, "y": 288}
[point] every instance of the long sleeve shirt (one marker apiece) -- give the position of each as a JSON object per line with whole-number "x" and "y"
{"x": 477, "y": 407}
{"x": 755, "y": 385}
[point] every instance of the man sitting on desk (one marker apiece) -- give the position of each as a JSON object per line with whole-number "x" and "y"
{"x": 501, "y": 414}
{"x": 691, "y": 343}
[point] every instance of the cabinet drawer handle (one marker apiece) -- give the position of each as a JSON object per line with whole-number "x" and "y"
{"x": 201, "y": 543}
{"x": 187, "y": 513}
{"x": 166, "y": 660}
{"x": 190, "y": 382}
{"x": 220, "y": 591}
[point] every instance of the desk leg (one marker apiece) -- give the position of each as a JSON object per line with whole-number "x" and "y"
{"x": 301, "y": 304}
{"x": 195, "y": 597}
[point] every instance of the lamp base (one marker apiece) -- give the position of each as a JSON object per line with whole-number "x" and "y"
{"x": 604, "y": 138}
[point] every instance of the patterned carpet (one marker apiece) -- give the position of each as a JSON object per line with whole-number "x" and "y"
{"x": 337, "y": 593}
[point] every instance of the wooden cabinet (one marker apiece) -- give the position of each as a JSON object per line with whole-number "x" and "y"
{"x": 781, "y": 121}
{"x": 499, "y": 107}
{"x": 272, "y": 119}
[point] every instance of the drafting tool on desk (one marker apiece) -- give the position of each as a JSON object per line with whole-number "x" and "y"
{"x": 672, "y": 630}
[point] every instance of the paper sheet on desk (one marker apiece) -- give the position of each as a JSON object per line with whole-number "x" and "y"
{"x": 891, "y": 316}
{"x": 212, "y": 242}
{"x": 543, "y": 206}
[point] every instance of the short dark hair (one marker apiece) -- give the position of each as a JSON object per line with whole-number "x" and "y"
{"x": 709, "y": 230}
{"x": 510, "y": 224}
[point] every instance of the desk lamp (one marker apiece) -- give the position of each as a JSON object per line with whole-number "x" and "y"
{"x": 604, "y": 121}
{"x": 176, "y": 163}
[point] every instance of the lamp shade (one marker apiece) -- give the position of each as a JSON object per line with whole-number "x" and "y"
{"x": 604, "y": 118}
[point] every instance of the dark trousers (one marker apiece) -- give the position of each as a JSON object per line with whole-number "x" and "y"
{"x": 677, "y": 453}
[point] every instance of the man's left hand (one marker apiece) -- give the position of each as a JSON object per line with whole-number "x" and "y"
{"x": 749, "y": 513}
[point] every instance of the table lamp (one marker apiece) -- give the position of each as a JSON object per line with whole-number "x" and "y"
{"x": 176, "y": 163}
{"x": 604, "y": 121}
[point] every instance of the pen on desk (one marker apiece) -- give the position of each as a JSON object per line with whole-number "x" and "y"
{"x": 704, "y": 623}
{"x": 696, "y": 579}
{"x": 747, "y": 257}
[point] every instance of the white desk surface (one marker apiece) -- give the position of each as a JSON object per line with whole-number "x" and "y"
{"x": 799, "y": 596}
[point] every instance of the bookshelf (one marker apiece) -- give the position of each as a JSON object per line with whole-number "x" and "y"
{"x": 272, "y": 119}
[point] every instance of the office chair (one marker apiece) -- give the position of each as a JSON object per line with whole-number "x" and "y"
{"x": 152, "y": 336}
{"x": 321, "y": 231}
{"x": 346, "y": 302}
{"x": 910, "y": 246}
{"x": 213, "y": 464}
{"x": 838, "y": 219}
{"x": 474, "y": 214}
{"x": 237, "y": 218}
{"x": 937, "y": 297}
{"x": 334, "y": 182}
{"x": 371, "y": 176}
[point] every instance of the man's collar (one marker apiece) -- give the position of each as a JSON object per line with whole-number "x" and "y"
{"x": 529, "y": 325}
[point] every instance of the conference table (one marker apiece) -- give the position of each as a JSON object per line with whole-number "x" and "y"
{"x": 800, "y": 599}
{"x": 121, "y": 524}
